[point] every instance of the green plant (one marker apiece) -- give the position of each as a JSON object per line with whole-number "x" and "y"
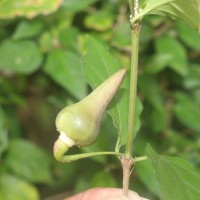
{"x": 176, "y": 9}
{"x": 41, "y": 73}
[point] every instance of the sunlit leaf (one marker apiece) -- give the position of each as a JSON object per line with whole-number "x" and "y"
{"x": 186, "y": 10}
{"x": 14, "y": 188}
{"x": 77, "y": 5}
{"x": 177, "y": 178}
{"x": 100, "y": 21}
{"x": 27, "y": 8}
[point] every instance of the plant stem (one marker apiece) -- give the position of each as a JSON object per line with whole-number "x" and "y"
{"x": 69, "y": 158}
{"x": 127, "y": 160}
{"x": 133, "y": 87}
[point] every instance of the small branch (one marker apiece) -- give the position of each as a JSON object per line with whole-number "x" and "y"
{"x": 141, "y": 158}
{"x": 69, "y": 158}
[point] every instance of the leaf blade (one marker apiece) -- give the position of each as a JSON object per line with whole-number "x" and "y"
{"x": 170, "y": 170}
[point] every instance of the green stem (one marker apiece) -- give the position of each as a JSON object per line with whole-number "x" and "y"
{"x": 69, "y": 158}
{"x": 141, "y": 158}
{"x": 127, "y": 160}
{"x": 133, "y": 87}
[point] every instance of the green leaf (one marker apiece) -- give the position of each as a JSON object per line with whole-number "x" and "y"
{"x": 103, "y": 179}
{"x": 101, "y": 20}
{"x": 26, "y": 8}
{"x": 27, "y": 29}
{"x": 69, "y": 38}
{"x": 122, "y": 35}
{"x": 20, "y": 56}
{"x": 186, "y": 10}
{"x": 77, "y": 5}
{"x": 187, "y": 111}
{"x": 189, "y": 36}
{"x": 64, "y": 67}
{"x": 28, "y": 161}
{"x": 176, "y": 177}
{"x": 12, "y": 188}
{"x": 157, "y": 63}
{"x": 3, "y": 133}
{"x": 150, "y": 89}
{"x": 171, "y": 48}
{"x": 193, "y": 79}
{"x": 98, "y": 65}
{"x": 145, "y": 172}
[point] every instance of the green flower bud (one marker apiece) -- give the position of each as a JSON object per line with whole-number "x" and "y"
{"x": 79, "y": 123}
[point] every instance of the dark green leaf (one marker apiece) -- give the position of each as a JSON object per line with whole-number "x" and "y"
{"x": 176, "y": 177}
{"x": 193, "y": 79}
{"x": 168, "y": 46}
{"x": 65, "y": 68}
{"x": 189, "y": 35}
{"x": 150, "y": 89}
{"x": 3, "y": 133}
{"x": 12, "y": 188}
{"x": 187, "y": 111}
{"x": 26, "y": 8}
{"x": 98, "y": 65}
{"x": 157, "y": 63}
{"x": 20, "y": 56}
{"x": 28, "y": 161}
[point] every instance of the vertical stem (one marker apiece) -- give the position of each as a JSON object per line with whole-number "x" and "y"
{"x": 127, "y": 159}
{"x": 133, "y": 87}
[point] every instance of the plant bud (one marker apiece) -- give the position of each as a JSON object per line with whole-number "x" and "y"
{"x": 79, "y": 123}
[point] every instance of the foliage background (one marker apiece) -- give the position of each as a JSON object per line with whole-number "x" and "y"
{"x": 40, "y": 72}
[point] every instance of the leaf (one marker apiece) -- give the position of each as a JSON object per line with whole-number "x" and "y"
{"x": 145, "y": 172}
{"x": 188, "y": 35}
{"x": 98, "y": 65}
{"x": 176, "y": 177}
{"x": 187, "y": 111}
{"x": 64, "y": 67}
{"x": 157, "y": 63}
{"x": 192, "y": 81}
{"x": 29, "y": 161}
{"x": 77, "y": 5}
{"x": 26, "y": 8}
{"x": 186, "y": 10}
{"x": 175, "y": 53}
{"x": 101, "y": 20}
{"x": 14, "y": 188}
{"x": 27, "y": 29}
{"x": 3, "y": 133}
{"x": 20, "y": 56}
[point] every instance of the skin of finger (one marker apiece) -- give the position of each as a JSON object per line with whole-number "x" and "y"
{"x": 105, "y": 194}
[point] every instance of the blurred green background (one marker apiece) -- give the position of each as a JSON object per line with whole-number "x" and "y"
{"x": 40, "y": 73}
